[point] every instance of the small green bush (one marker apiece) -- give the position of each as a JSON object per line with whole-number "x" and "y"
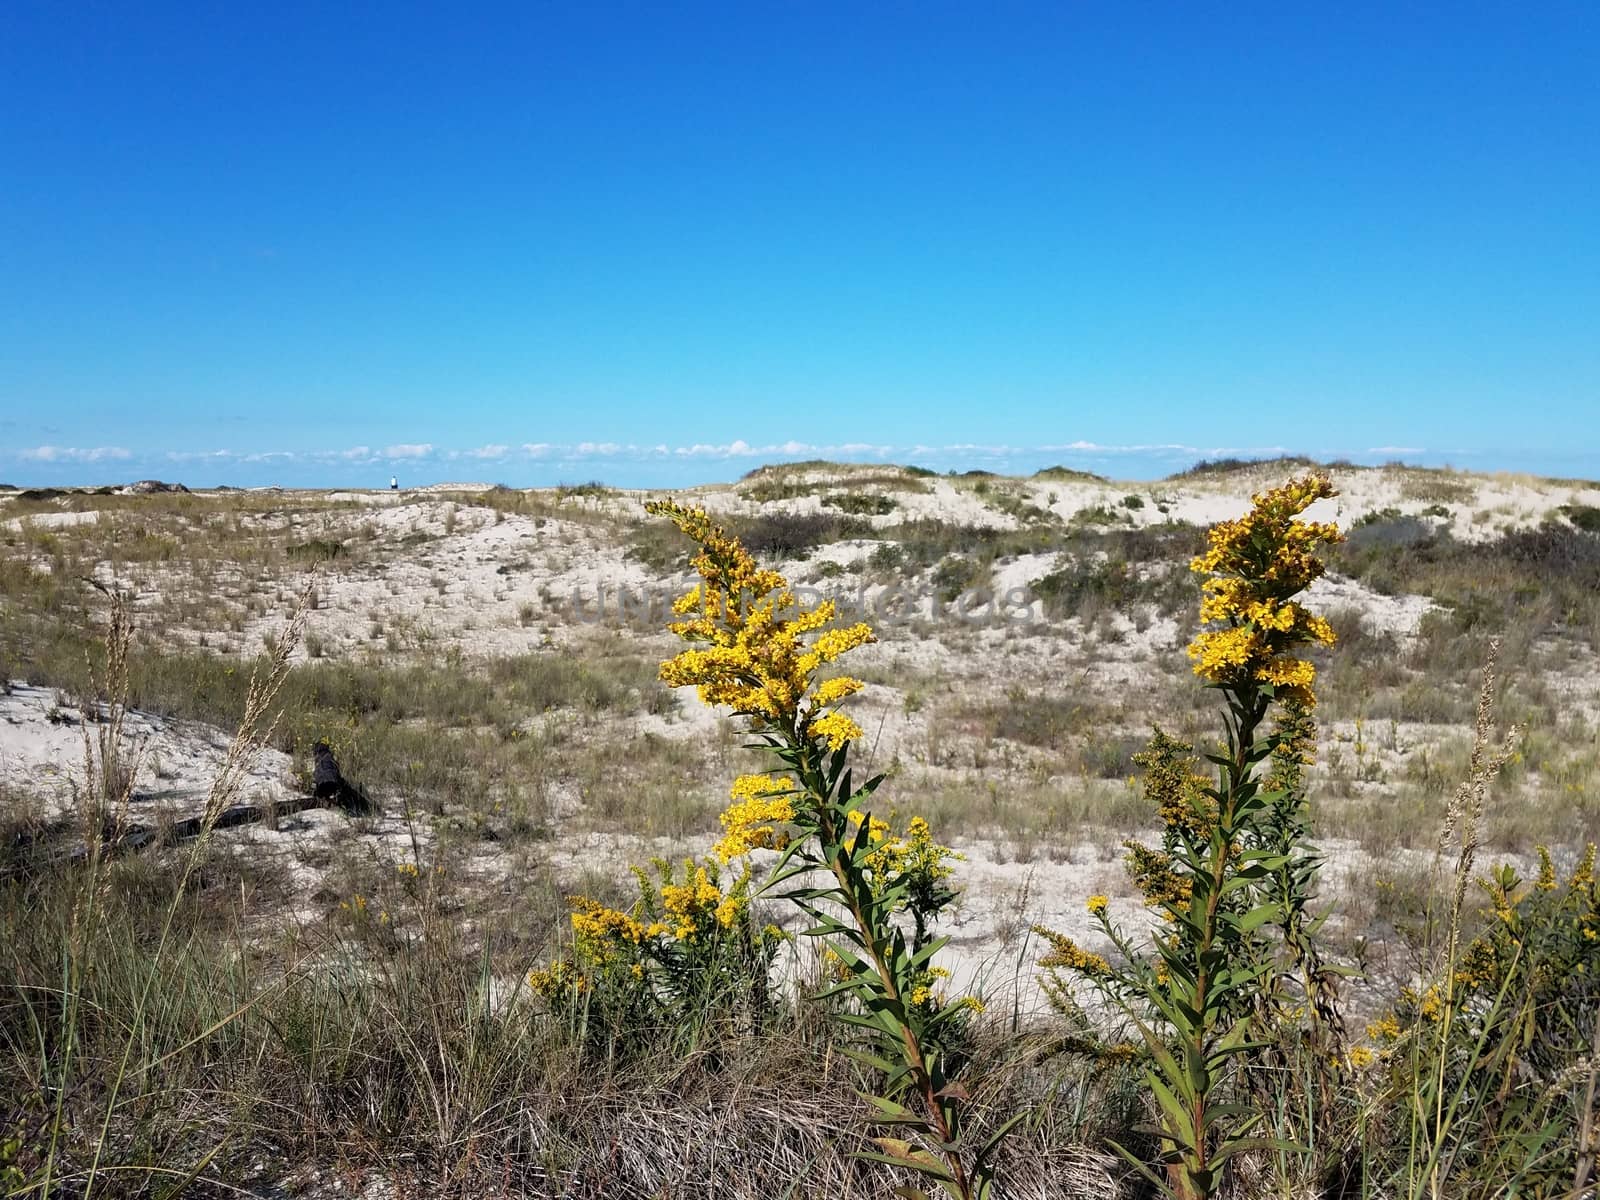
{"x": 1583, "y": 516}
{"x": 862, "y": 504}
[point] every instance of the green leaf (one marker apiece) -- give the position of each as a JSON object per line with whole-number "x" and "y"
{"x": 868, "y": 1059}
{"x": 1138, "y": 1164}
{"x": 1179, "y": 1128}
{"x": 927, "y": 952}
{"x": 1244, "y": 1145}
{"x": 887, "y": 1107}
{"x": 1255, "y": 918}
{"x": 986, "y": 1150}
{"x": 900, "y": 1153}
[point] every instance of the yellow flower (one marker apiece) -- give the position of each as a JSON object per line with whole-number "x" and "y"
{"x": 600, "y": 927}
{"x": 1386, "y": 1028}
{"x": 1431, "y": 1006}
{"x": 762, "y": 803}
{"x": 915, "y": 858}
{"x": 1358, "y": 1058}
{"x": 1157, "y": 877}
{"x": 1257, "y": 565}
{"x": 1583, "y": 874}
{"x": 835, "y": 690}
{"x": 877, "y": 827}
{"x": 749, "y": 654}
{"x": 1066, "y": 953}
{"x": 1120, "y": 1052}
{"x": 692, "y": 896}
{"x": 1547, "y": 871}
{"x": 560, "y": 978}
{"x": 835, "y": 728}
{"x": 1098, "y": 905}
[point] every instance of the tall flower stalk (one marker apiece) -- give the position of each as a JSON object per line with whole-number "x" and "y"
{"x": 870, "y": 893}
{"x": 1232, "y": 865}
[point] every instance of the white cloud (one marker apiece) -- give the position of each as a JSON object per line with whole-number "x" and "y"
{"x": 77, "y": 454}
{"x": 999, "y": 455}
{"x": 739, "y": 448}
{"x": 201, "y": 456}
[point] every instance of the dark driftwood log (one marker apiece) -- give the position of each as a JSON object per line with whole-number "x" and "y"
{"x": 134, "y": 838}
{"x": 330, "y": 789}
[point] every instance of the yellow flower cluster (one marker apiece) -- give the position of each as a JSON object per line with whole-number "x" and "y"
{"x": 1543, "y": 915}
{"x": 1583, "y": 875}
{"x": 834, "y": 728}
{"x": 1157, "y": 877}
{"x": 697, "y": 902}
{"x": 1295, "y": 749}
{"x": 1547, "y": 871}
{"x": 697, "y": 906}
{"x": 1097, "y": 905}
{"x": 916, "y": 856}
{"x": 925, "y": 994}
{"x": 750, "y": 654}
{"x": 1430, "y": 1006}
{"x": 877, "y": 827}
{"x": 1385, "y": 1029}
{"x": 1358, "y": 1058}
{"x": 558, "y": 980}
{"x": 600, "y": 928}
{"x": 1066, "y": 953}
{"x": 761, "y": 804}
{"x": 1175, "y": 788}
{"x": 1480, "y": 966}
{"x": 1256, "y": 565}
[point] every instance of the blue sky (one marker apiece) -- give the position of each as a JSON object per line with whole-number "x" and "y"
{"x": 663, "y": 243}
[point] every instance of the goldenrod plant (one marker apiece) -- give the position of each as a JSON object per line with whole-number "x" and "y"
{"x": 686, "y": 957}
{"x": 1490, "y": 1063}
{"x": 1232, "y": 865}
{"x": 871, "y": 894}
{"x": 1493, "y": 1064}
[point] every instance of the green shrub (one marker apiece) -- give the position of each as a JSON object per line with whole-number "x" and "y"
{"x": 781, "y": 535}
{"x": 1583, "y": 516}
{"x": 862, "y": 504}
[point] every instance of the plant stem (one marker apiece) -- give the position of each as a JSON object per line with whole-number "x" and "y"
{"x": 850, "y": 887}
{"x": 1193, "y": 1181}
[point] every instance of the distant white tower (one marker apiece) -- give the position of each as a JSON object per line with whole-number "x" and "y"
{"x": 394, "y": 484}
